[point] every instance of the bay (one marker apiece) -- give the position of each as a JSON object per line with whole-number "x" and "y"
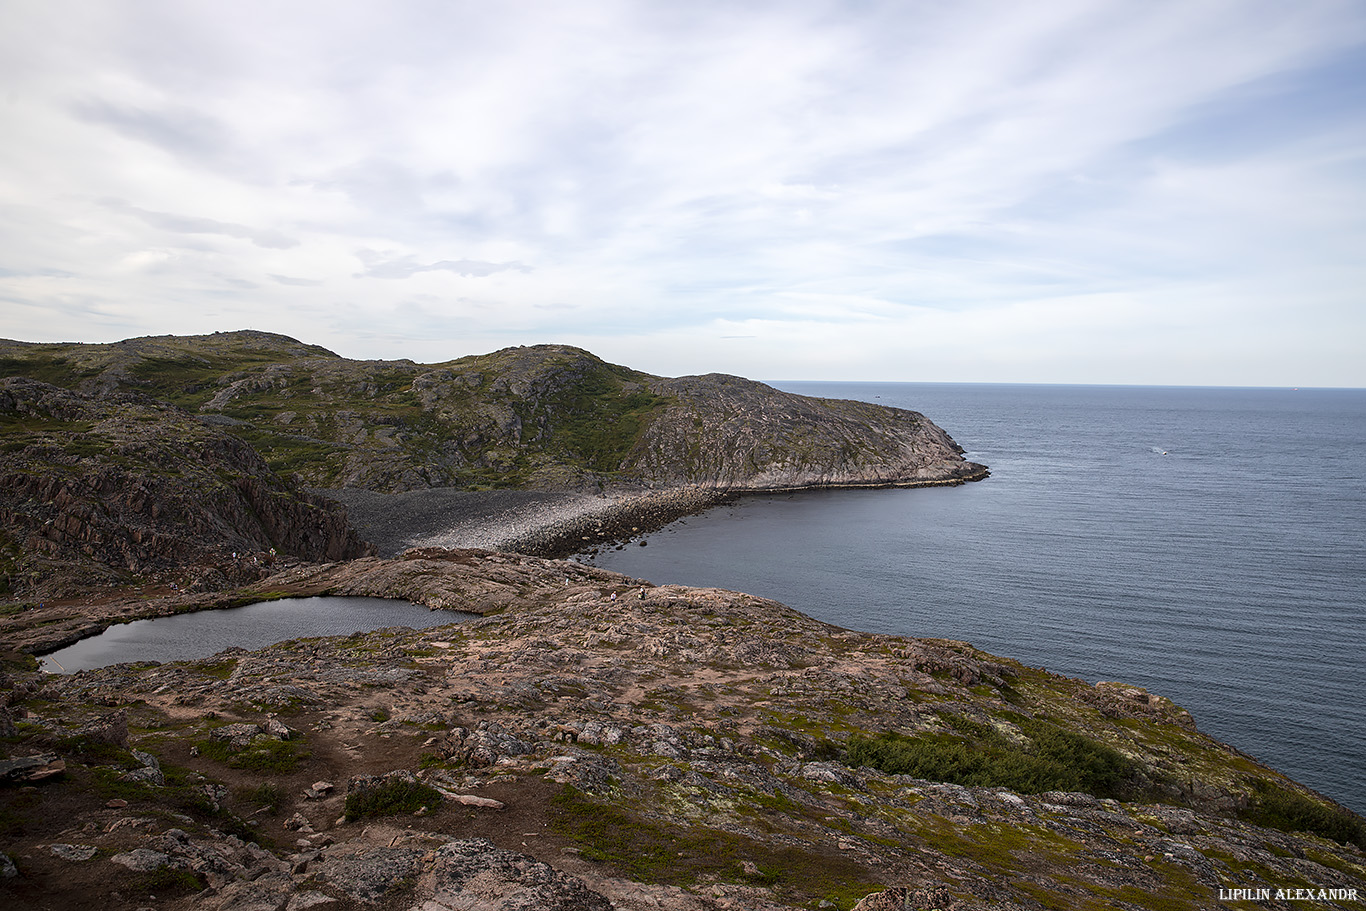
{"x": 1204, "y": 543}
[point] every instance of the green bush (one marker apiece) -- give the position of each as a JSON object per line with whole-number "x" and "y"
{"x": 268, "y": 797}
{"x": 396, "y": 795}
{"x": 1054, "y": 760}
{"x": 1278, "y": 808}
{"x": 263, "y": 755}
{"x": 167, "y": 881}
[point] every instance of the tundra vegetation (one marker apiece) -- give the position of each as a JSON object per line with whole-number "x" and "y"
{"x": 592, "y": 741}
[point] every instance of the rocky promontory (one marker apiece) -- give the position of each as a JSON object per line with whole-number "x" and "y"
{"x": 167, "y": 459}
{"x": 597, "y": 742}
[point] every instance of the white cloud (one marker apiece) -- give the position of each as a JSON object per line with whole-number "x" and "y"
{"x": 792, "y": 190}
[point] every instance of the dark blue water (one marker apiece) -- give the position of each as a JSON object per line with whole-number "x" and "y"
{"x": 185, "y": 637}
{"x": 1204, "y": 543}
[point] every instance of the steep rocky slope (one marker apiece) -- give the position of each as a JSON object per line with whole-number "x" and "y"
{"x": 116, "y": 486}
{"x": 598, "y": 742}
{"x": 542, "y": 417}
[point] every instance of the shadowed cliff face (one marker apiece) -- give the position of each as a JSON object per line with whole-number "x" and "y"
{"x": 96, "y": 487}
{"x": 543, "y": 417}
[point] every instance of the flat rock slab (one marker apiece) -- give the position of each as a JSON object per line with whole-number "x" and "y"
{"x": 473, "y": 875}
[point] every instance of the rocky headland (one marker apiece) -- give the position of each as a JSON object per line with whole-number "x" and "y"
{"x": 590, "y": 741}
{"x": 157, "y": 459}
{"x": 545, "y": 417}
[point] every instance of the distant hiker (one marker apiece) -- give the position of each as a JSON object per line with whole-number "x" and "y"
{"x": 642, "y": 594}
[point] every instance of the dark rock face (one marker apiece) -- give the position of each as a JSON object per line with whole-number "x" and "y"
{"x": 735, "y": 433}
{"x": 95, "y": 486}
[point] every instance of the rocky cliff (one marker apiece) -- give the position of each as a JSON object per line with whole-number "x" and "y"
{"x": 728, "y": 432}
{"x": 98, "y": 488}
{"x": 542, "y": 417}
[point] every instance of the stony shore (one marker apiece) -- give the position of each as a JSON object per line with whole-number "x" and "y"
{"x": 540, "y": 523}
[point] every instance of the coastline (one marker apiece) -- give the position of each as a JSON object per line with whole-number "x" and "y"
{"x": 552, "y": 524}
{"x": 544, "y": 524}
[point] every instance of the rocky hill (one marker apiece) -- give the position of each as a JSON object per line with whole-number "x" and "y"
{"x": 542, "y": 417}
{"x": 113, "y": 487}
{"x": 597, "y": 742}
{"x": 157, "y": 459}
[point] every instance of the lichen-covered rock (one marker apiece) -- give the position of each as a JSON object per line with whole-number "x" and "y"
{"x": 474, "y": 875}
{"x": 369, "y": 873}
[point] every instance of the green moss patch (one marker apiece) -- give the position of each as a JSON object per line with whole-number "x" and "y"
{"x": 660, "y": 853}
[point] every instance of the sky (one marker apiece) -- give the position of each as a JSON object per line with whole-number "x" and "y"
{"x": 1074, "y": 191}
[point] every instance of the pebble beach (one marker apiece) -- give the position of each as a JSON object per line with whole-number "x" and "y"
{"x": 539, "y": 523}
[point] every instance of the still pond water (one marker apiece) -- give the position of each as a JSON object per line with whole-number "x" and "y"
{"x": 187, "y": 637}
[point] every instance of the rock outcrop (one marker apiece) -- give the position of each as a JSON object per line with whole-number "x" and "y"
{"x": 736, "y": 434}
{"x": 104, "y": 487}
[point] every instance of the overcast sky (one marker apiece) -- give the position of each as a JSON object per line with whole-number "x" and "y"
{"x": 1061, "y": 191}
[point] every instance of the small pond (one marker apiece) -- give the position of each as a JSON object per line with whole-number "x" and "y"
{"x": 186, "y": 637}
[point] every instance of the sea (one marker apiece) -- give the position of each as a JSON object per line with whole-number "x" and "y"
{"x": 1207, "y": 544}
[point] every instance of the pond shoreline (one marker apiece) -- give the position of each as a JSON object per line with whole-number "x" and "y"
{"x": 180, "y": 637}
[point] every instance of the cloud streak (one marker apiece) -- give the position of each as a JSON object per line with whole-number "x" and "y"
{"x": 377, "y": 266}
{"x": 189, "y": 224}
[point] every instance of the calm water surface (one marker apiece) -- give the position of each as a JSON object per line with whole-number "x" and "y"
{"x": 1204, "y": 543}
{"x": 199, "y": 635}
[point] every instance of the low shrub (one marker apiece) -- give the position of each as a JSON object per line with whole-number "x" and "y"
{"x": 267, "y": 796}
{"x": 261, "y": 755}
{"x": 1280, "y": 808}
{"x": 395, "y": 795}
{"x": 1054, "y": 760}
{"x": 660, "y": 852}
{"x": 167, "y": 881}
